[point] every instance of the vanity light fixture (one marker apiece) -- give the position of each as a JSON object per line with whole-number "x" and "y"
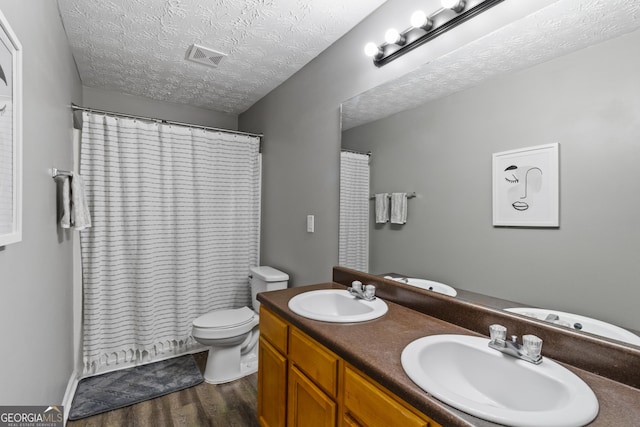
{"x": 392, "y": 36}
{"x": 455, "y": 5}
{"x": 425, "y": 27}
{"x": 419, "y": 19}
{"x": 373, "y": 50}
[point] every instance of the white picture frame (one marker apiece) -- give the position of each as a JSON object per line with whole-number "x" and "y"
{"x": 526, "y": 187}
{"x": 10, "y": 135}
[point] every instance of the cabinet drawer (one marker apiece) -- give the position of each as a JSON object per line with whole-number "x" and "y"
{"x": 371, "y": 405}
{"x": 273, "y": 329}
{"x": 319, "y": 364}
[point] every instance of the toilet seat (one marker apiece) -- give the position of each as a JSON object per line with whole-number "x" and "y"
{"x": 225, "y": 318}
{"x": 225, "y": 323}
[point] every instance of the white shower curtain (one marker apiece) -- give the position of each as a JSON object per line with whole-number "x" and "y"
{"x": 354, "y": 211}
{"x": 176, "y": 217}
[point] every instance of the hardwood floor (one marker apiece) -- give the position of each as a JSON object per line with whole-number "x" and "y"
{"x": 233, "y": 404}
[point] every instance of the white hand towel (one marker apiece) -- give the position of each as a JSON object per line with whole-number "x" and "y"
{"x": 382, "y": 208}
{"x": 398, "y": 208}
{"x": 65, "y": 221}
{"x": 80, "y": 215}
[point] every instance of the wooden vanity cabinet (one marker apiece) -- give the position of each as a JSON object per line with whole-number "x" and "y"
{"x": 301, "y": 383}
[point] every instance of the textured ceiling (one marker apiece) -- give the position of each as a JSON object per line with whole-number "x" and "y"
{"x": 139, "y": 46}
{"x": 563, "y": 27}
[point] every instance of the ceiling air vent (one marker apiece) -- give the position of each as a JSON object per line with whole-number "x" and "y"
{"x": 206, "y": 56}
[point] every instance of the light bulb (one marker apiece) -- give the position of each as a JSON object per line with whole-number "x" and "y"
{"x": 456, "y": 5}
{"x": 419, "y": 19}
{"x": 371, "y": 49}
{"x": 392, "y": 36}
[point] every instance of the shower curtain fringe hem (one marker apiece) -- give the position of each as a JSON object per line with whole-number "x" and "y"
{"x": 139, "y": 355}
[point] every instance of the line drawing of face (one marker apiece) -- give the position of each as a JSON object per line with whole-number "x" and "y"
{"x": 524, "y": 183}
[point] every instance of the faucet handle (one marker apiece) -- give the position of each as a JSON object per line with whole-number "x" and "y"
{"x": 497, "y": 332}
{"x": 369, "y": 291}
{"x": 356, "y": 285}
{"x": 532, "y": 345}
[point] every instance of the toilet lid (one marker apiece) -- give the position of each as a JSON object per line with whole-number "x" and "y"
{"x": 225, "y": 318}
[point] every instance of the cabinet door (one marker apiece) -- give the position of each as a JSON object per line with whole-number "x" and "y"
{"x": 308, "y": 406}
{"x": 272, "y": 386}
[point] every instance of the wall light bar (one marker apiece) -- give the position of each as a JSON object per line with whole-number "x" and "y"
{"x": 426, "y": 27}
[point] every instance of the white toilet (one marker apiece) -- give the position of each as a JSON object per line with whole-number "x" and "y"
{"x": 232, "y": 335}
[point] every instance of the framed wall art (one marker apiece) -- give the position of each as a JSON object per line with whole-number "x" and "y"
{"x": 10, "y": 135}
{"x": 526, "y": 187}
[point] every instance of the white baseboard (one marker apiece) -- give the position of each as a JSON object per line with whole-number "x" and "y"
{"x": 72, "y": 385}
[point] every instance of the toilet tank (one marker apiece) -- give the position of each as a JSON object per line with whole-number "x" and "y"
{"x": 264, "y": 278}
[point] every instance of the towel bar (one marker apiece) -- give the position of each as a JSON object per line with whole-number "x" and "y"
{"x": 55, "y": 173}
{"x": 409, "y": 195}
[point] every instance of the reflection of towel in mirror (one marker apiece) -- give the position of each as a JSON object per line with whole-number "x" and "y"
{"x": 382, "y": 208}
{"x": 75, "y": 212}
{"x": 398, "y": 208}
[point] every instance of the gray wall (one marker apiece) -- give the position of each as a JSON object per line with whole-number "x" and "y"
{"x": 139, "y": 106}
{"x": 301, "y": 124}
{"x": 36, "y": 274}
{"x": 589, "y": 102}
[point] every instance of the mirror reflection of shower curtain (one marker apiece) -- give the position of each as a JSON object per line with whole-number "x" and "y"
{"x": 354, "y": 211}
{"x": 176, "y": 227}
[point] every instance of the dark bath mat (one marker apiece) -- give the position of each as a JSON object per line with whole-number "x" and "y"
{"x": 118, "y": 389}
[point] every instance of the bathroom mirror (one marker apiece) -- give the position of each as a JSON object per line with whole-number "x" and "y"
{"x": 433, "y": 132}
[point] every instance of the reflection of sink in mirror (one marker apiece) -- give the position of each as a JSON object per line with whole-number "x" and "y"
{"x": 336, "y": 305}
{"x": 430, "y": 285}
{"x": 465, "y": 373}
{"x": 574, "y": 321}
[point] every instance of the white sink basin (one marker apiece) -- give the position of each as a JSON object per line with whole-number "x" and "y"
{"x": 336, "y": 305}
{"x": 430, "y": 285}
{"x": 587, "y": 324}
{"x": 465, "y": 373}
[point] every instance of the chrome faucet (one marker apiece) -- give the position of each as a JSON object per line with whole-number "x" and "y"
{"x": 554, "y": 318}
{"x": 367, "y": 292}
{"x": 529, "y": 350}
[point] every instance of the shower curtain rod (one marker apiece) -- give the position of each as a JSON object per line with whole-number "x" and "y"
{"x": 368, "y": 153}
{"x": 169, "y": 122}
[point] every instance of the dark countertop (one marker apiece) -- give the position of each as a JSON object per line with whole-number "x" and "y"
{"x": 375, "y": 346}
